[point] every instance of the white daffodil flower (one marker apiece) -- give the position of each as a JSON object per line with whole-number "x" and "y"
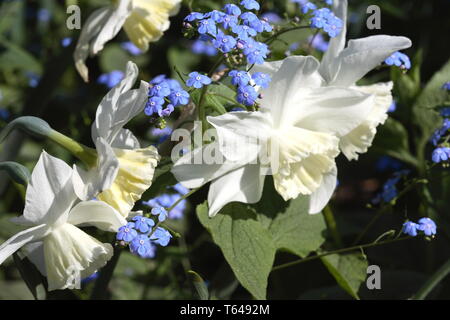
{"x": 53, "y": 242}
{"x": 300, "y": 124}
{"x": 144, "y": 21}
{"x": 123, "y": 170}
{"x": 344, "y": 66}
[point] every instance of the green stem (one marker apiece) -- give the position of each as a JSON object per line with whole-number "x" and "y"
{"x": 332, "y": 226}
{"x": 384, "y": 209}
{"x": 368, "y": 245}
{"x": 82, "y": 152}
{"x": 437, "y": 277}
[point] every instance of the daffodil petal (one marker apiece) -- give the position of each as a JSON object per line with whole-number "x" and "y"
{"x": 72, "y": 254}
{"x": 49, "y": 194}
{"x": 362, "y": 55}
{"x": 20, "y": 239}
{"x": 360, "y": 139}
{"x": 244, "y": 184}
{"x": 87, "y": 184}
{"x": 320, "y": 198}
{"x": 97, "y": 214}
{"x": 91, "y": 28}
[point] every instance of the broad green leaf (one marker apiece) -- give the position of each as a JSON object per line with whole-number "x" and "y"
{"x": 433, "y": 95}
{"x": 217, "y": 97}
{"x": 247, "y": 246}
{"x": 392, "y": 139}
{"x": 17, "y": 58}
{"x": 249, "y": 236}
{"x": 349, "y": 270}
{"x": 199, "y": 284}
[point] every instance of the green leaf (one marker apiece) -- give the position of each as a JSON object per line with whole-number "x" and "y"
{"x": 245, "y": 243}
{"x": 249, "y": 236}
{"x": 392, "y": 139}
{"x": 17, "y": 58}
{"x": 199, "y": 285}
{"x": 433, "y": 95}
{"x": 217, "y": 97}
{"x": 17, "y": 172}
{"x": 349, "y": 270}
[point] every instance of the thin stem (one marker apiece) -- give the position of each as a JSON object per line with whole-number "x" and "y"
{"x": 384, "y": 209}
{"x": 276, "y": 35}
{"x": 434, "y": 280}
{"x": 368, "y": 245}
{"x": 332, "y": 226}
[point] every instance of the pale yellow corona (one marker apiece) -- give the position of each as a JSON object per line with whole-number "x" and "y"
{"x": 136, "y": 169}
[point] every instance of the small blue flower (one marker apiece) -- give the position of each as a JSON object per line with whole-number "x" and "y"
{"x": 43, "y": 15}
{"x": 393, "y": 106}
{"x": 162, "y": 134}
{"x": 90, "y": 278}
{"x": 65, "y": 42}
{"x": 154, "y": 105}
{"x": 4, "y": 114}
{"x": 427, "y": 226}
{"x": 224, "y": 42}
{"x": 440, "y": 154}
{"x": 207, "y": 26}
{"x": 215, "y": 15}
{"x": 229, "y": 21}
{"x": 181, "y": 189}
{"x": 131, "y": 48}
{"x": 179, "y": 97}
{"x": 243, "y": 31}
{"x": 398, "y": 59}
{"x": 167, "y": 111}
{"x": 143, "y": 224}
{"x": 386, "y": 163}
{"x": 197, "y": 80}
{"x": 161, "y": 236}
{"x": 445, "y": 112}
{"x": 271, "y": 17}
{"x": 318, "y": 42}
{"x": 333, "y": 27}
{"x": 160, "y": 212}
{"x": 194, "y": 16}
{"x": 111, "y": 79}
{"x": 329, "y": 2}
{"x": 239, "y": 78}
{"x": 247, "y": 95}
{"x": 203, "y": 47}
{"x": 266, "y": 26}
{"x": 410, "y": 228}
{"x": 446, "y": 86}
{"x": 261, "y": 79}
{"x": 232, "y": 9}
{"x": 161, "y": 89}
{"x": 248, "y": 17}
{"x": 158, "y": 79}
{"x": 141, "y": 246}
{"x": 255, "y": 51}
{"x": 250, "y": 4}
{"x": 127, "y": 233}
{"x": 33, "y": 79}
{"x": 308, "y": 6}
